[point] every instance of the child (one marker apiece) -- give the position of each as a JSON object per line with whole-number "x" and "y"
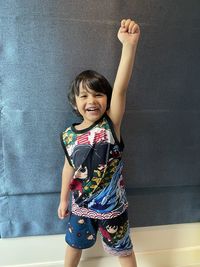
{"x": 93, "y": 165}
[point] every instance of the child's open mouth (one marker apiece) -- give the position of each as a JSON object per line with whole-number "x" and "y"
{"x": 92, "y": 109}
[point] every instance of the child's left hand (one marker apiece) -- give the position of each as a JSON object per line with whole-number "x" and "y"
{"x": 129, "y": 32}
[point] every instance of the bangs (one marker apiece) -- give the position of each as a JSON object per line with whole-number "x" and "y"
{"x": 91, "y": 84}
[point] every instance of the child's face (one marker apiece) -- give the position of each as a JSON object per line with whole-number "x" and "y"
{"x": 90, "y": 104}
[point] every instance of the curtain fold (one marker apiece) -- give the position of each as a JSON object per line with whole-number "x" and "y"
{"x": 25, "y": 215}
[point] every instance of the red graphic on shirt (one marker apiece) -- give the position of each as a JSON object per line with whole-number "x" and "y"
{"x": 83, "y": 139}
{"x": 76, "y": 185}
{"x": 100, "y": 136}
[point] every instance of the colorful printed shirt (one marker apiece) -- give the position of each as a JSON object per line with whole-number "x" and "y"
{"x": 95, "y": 154}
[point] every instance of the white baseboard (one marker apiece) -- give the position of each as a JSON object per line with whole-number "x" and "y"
{"x": 157, "y": 246}
{"x": 46, "y": 264}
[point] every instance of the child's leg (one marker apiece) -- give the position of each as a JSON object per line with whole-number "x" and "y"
{"x": 116, "y": 239}
{"x": 80, "y": 234}
{"x": 72, "y": 257}
{"x": 128, "y": 261}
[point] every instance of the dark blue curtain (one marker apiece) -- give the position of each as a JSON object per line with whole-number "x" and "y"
{"x": 43, "y": 45}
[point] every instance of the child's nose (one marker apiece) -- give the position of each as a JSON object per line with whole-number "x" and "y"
{"x": 92, "y": 99}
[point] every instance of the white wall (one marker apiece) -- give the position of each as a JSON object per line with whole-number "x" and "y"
{"x": 157, "y": 246}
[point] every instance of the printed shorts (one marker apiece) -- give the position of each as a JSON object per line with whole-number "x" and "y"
{"x": 81, "y": 233}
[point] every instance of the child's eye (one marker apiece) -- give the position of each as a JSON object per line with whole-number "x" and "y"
{"x": 83, "y": 96}
{"x": 99, "y": 94}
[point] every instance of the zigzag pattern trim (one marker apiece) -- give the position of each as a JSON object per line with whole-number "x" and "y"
{"x": 95, "y": 215}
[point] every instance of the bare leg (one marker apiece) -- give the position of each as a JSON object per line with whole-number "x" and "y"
{"x": 128, "y": 261}
{"x": 72, "y": 257}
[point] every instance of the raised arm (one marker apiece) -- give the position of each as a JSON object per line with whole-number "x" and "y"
{"x": 128, "y": 35}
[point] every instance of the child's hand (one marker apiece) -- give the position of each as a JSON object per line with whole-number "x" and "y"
{"x": 63, "y": 210}
{"x": 129, "y": 32}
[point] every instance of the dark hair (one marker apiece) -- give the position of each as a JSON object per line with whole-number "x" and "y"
{"x": 92, "y": 80}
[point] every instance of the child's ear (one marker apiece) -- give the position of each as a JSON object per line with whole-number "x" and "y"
{"x": 74, "y": 107}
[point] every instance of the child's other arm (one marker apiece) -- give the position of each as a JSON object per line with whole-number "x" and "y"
{"x": 128, "y": 35}
{"x": 67, "y": 174}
